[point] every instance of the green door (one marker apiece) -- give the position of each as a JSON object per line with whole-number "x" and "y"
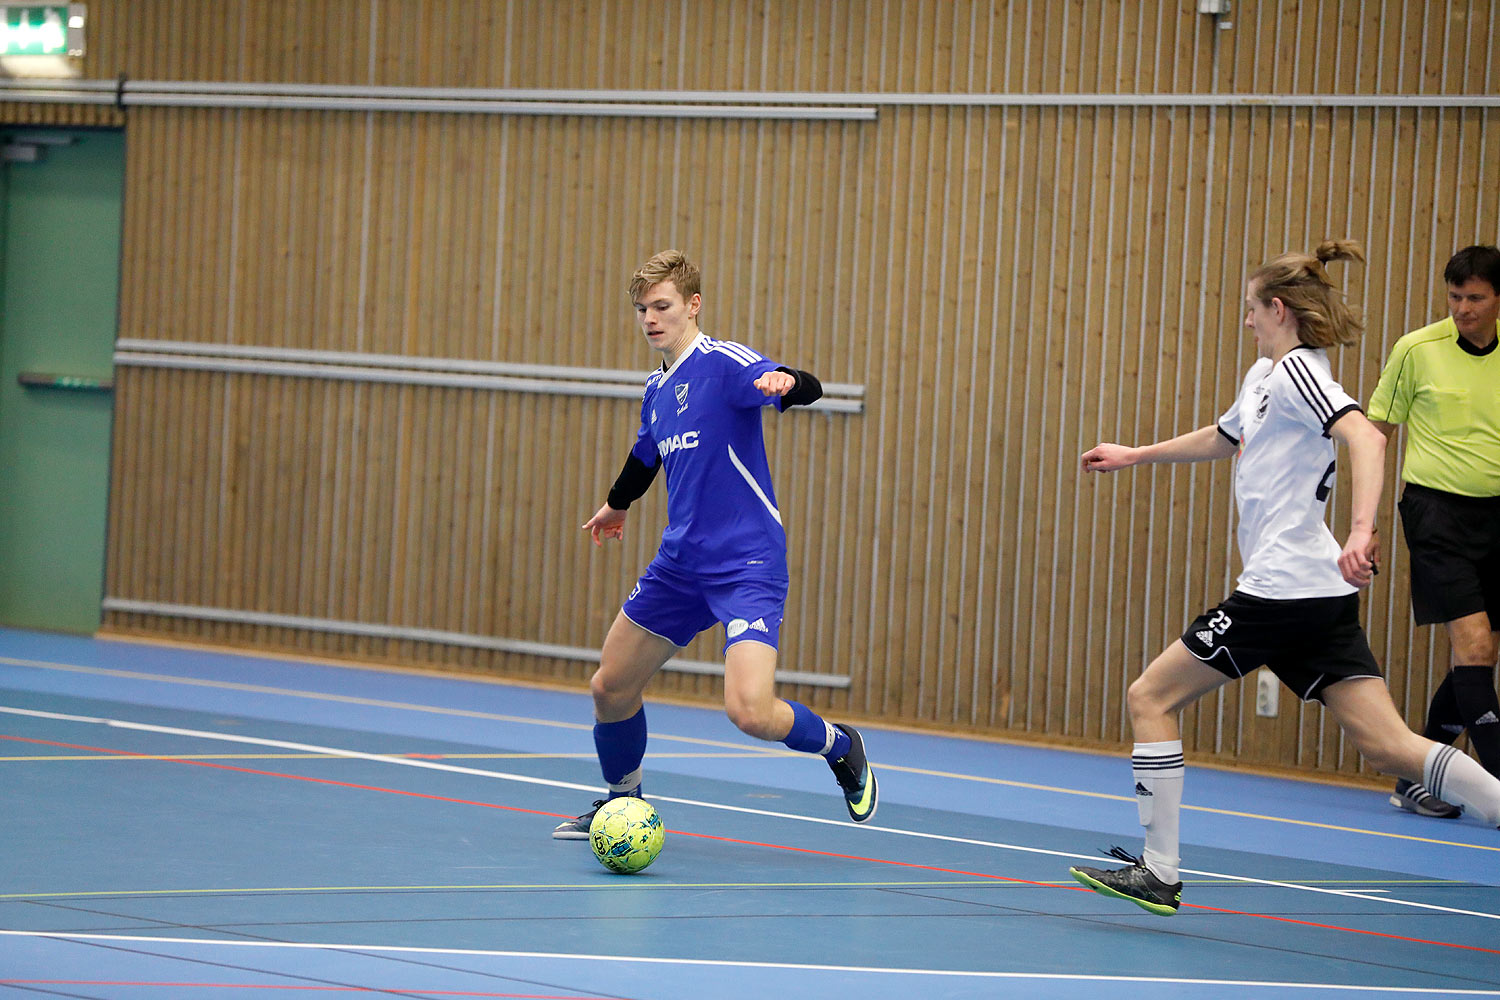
{"x": 60, "y": 196}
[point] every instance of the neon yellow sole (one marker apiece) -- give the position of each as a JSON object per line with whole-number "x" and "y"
{"x": 1160, "y": 909}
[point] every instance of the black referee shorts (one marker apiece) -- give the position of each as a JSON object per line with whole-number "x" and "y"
{"x": 1454, "y": 543}
{"x": 1309, "y": 643}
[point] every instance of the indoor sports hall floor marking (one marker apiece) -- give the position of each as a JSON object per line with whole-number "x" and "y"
{"x": 732, "y": 964}
{"x": 44, "y": 758}
{"x": 382, "y": 730}
{"x": 750, "y": 754}
{"x": 620, "y": 886}
{"x": 395, "y": 991}
{"x": 344, "y": 699}
{"x": 638, "y": 886}
{"x": 1186, "y": 807}
{"x": 749, "y": 751}
{"x": 504, "y": 776}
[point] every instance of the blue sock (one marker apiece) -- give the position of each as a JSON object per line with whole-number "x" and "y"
{"x": 810, "y": 734}
{"x": 622, "y": 747}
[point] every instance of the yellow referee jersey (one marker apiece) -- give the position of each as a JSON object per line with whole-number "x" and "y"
{"x": 1448, "y": 397}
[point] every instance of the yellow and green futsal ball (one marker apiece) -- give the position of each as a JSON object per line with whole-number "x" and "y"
{"x": 626, "y": 834}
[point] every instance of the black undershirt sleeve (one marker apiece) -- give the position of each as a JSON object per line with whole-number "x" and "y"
{"x": 636, "y": 477}
{"x": 633, "y": 482}
{"x": 807, "y": 390}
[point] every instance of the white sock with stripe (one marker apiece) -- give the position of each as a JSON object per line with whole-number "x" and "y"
{"x": 1158, "y": 771}
{"x": 1456, "y": 777}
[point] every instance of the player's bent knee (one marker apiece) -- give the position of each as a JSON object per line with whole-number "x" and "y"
{"x": 611, "y": 693}
{"x": 751, "y": 718}
{"x": 1142, "y": 701}
{"x": 599, "y": 686}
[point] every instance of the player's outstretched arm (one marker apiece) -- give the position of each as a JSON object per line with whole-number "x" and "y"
{"x": 776, "y": 383}
{"x": 633, "y": 482}
{"x": 794, "y": 386}
{"x": 1367, "y": 475}
{"x": 1201, "y": 445}
{"x": 607, "y": 523}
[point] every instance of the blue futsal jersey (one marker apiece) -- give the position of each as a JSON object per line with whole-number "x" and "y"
{"x": 701, "y": 418}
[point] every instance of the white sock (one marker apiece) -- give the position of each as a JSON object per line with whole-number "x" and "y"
{"x": 627, "y": 785}
{"x": 1158, "y": 771}
{"x": 1456, "y": 777}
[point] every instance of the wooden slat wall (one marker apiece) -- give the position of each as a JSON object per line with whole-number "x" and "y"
{"x": 1011, "y": 284}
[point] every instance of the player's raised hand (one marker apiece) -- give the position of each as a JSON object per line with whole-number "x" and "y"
{"x": 607, "y": 523}
{"x": 1108, "y": 457}
{"x": 775, "y": 383}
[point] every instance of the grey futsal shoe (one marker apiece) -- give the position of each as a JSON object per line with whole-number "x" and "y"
{"x": 1414, "y": 797}
{"x": 861, "y": 794}
{"x": 576, "y": 829}
{"x": 1135, "y": 883}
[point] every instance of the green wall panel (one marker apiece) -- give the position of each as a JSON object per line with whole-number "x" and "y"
{"x": 59, "y": 290}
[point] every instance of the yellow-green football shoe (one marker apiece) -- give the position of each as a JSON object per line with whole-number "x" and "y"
{"x": 852, "y": 770}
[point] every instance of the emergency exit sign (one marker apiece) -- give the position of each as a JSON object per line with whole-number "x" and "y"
{"x": 41, "y": 30}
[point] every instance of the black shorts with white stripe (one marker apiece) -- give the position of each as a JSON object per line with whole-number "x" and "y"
{"x": 1309, "y": 643}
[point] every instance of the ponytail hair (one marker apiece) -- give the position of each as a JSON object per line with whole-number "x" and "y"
{"x": 1301, "y": 282}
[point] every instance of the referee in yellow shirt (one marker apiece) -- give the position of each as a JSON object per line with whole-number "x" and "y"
{"x": 1443, "y": 383}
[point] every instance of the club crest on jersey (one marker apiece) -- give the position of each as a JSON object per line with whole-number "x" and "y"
{"x": 677, "y": 442}
{"x": 1263, "y": 405}
{"x": 682, "y": 396}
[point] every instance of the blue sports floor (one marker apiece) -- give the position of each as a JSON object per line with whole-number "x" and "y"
{"x": 184, "y": 823}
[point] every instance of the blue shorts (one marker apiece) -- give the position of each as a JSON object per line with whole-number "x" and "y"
{"x": 677, "y": 606}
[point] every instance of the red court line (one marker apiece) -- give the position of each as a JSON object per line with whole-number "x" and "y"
{"x": 168, "y": 759}
{"x": 734, "y": 840}
{"x": 274, "y": 986}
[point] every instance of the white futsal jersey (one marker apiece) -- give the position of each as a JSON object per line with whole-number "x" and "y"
{"x": 1284, "y": 474}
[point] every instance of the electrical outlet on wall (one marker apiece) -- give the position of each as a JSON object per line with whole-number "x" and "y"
{"x": 1267, "y": 693}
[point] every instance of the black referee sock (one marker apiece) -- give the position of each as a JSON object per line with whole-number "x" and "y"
{"x": 1444, "y": 721}
{"x": 1474, "y": 692}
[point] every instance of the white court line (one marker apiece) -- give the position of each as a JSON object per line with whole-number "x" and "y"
{"x": 349, "y": 699}
{"x": 575, "y": 786}
{"x": 729, "y": 963}
{"x": 750, "y": 750}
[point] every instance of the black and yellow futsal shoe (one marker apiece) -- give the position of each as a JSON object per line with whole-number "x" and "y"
{"x": 1135, "y": 883}
{"x": 855, "y": 777}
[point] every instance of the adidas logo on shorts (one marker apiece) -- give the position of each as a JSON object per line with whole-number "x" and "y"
{"x": 1206, "y": 637}
{"x": 1487, "y": 719}
{"x": 739, "y": 627}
